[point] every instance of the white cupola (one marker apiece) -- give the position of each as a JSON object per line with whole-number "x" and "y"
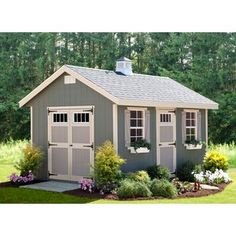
{"x": 124, "y": 66}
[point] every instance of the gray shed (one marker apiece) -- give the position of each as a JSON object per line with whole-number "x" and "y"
{"x": 76, "y": 109}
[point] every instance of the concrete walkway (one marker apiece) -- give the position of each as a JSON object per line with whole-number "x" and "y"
{"x": 53, "y": 186}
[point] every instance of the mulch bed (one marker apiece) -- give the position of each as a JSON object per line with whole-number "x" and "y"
{"x": 16, "y": 185}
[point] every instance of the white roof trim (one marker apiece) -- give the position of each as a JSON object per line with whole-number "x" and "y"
{"x": 106, "y": 94}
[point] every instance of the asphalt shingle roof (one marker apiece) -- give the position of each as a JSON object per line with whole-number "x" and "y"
{"x": 141, "y": 87}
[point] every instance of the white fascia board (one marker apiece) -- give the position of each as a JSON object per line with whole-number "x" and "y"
{"x": 167, "y": 104}
{"x": 42, "y": 86}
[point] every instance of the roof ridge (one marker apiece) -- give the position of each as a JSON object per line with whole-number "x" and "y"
{"x": 84, "y": 67}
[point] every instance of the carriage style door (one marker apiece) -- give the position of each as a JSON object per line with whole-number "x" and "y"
{"x": 166, "y": 139}
{"x": 70, "y": 142}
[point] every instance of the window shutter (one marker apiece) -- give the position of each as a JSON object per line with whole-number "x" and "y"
{"x": 183, "y": 127}
{"x": 199, "y": 121}
{"x": 127, "y": 128}
{"x": 147, "y": 125}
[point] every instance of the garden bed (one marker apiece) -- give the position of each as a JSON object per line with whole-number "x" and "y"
{"x": 16, "y": 185}
{"x": 97, "y": 195}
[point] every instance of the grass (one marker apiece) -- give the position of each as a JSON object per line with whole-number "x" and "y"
{"x": 11, "y": 152}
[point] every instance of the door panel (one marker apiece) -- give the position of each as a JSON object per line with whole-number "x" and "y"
{"x": 60, "y": 161}
{"x": 166, "y": 138}
{"x": 166, "y": 157}
{"x": 80, "y": 162}
{"x": 70, "y": 139}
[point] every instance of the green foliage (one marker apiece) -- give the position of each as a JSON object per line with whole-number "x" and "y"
{"x": 141, "y": 143}
{"x": 163, "y": 188}
{"x": 158, "y": 172}
{"x": 107, "y": 167}
{"x": 184, "y": 172}
{"x": 214, "y": 160}
{"x": 182, "y": 187}
{"x": 31, "y": 161}
{"x": 140, "y": 176}
{"x": 229, "y": 150}
{"x": 130, "y": 189}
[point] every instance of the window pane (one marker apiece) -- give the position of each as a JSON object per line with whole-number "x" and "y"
{"x": 87, "y": 117}
{"x": 132, "y": 123}
{"x": 139, "y": 132}
{"x": 132, "y": 114}
{"x": 193, "y": 115}
{"x": 192, "y": 131}
{"x": 188, "y": 138}
{"x": 132, "y": 140}
{"x": 187, "y": 115}
{"x": 192, "y": 122}
{"x": 140, "y": 114}
{"x": 133, "y": 132}
{"x": 187, "y": 122}
{"x": 139, "y": 138}
{"x": 140, "y": 123}
{"x": 187, "y": 131}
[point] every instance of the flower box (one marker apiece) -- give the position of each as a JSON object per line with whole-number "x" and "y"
{"x": 139, "y": 150}
{"x": 193, "y": 146}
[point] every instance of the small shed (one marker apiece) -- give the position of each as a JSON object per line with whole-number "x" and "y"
{"x": 76, "y": 109}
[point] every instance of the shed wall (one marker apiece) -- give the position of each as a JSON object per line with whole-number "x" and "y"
{"x": 60, "y": 94}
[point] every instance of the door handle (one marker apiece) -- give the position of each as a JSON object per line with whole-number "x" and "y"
{"x": 91, "y": 146}
{"x": 71, "y": 145}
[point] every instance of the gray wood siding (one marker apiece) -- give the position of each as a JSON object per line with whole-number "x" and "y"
{"x": 182, "y": 154}
{"x": 60, "y": 94}
{"x": 136, "y": 161}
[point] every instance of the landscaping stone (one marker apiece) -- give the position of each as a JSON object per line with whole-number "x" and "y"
{"x": 53, "y": 186}
{"x": 209, "y": 187}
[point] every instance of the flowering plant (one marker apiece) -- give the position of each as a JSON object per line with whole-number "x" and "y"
{"x": 21, "y": 179}
{"x": 217, "y": 177}
{"x": 87, "y": 184}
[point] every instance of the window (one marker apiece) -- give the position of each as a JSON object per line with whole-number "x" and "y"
{"x": 59, "y": 117}
{"x": 191, "y": 127}
{"x": 69, "y": 79}
{"x": 81, "y": 117}
{"x": 165, "y": 118}
{"x": 136, "y": 125}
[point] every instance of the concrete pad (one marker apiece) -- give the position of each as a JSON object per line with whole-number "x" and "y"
{"x": 53, "y": 186}
{"x": 209, "y": 187}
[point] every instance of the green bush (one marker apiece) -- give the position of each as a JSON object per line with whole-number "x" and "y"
{"x": 107, "y": 167}
{"x": 32, "y": 158}
{"x": 184, "y": 173}
{"x": 130, "y": 189}
{"x": 158, "y": 172}
{"x": 141, "y": 176}
{"x": 215, "y": 160}
{"x": 163, "y": 188}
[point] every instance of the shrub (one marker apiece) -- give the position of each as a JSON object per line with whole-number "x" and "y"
{"x": 107, "y": 167}
{"x": 31, "y": 160}
{"x": 214, "y": 160}
{"x": 182, "y": 187}
{"x": 130, "y": 189}
{"x": 158, "y": 172}
{"x": 163, "y": 188}
{"x": 184, "y": 173}
{"x": 141, "y": 176}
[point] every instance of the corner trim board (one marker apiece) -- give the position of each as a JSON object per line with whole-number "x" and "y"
{"x": 115, "y": 126}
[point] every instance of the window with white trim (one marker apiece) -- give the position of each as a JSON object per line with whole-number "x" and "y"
{"x": 191, "y": 126}
{"x": 81, "y": 117}
{"x": 136, "y": 125}
{"x": 60, "y": 117}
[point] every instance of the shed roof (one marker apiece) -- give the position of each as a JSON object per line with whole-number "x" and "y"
{"x": 136, "y": 89}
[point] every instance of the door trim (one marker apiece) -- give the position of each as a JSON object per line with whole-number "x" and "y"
{"x": 158, "y": 111}
{"x": 66, "y": 109}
